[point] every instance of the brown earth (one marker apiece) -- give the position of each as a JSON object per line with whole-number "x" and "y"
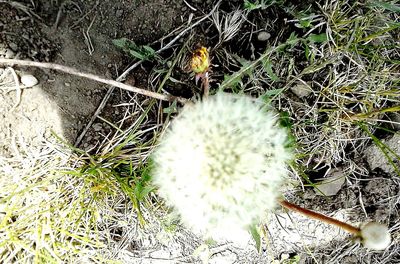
{"x": 78, "y": 34}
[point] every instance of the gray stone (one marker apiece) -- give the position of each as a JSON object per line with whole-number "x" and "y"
{"x": 9, "y": 54}
{"x": 331, "y": 185}
{"x": 301, "y": 90}
{"x": 13, "y": 46}
{"x": 377, "y": 159}
{"x": 263, "y": 36}
{"x": 395, "y": 118}
{"x": 97, "y": 127}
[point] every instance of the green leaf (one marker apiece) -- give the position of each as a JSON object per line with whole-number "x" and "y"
{"x": 307, "y": 51}
{"x": 256, "y": 236}
{"x": 304, "y": 23}
{"x": 120, "y": 43}
{"x": 251, "y": 6}
{"x": 292, "y": 40}
{"x": 270, "y": 94}
{"x": 149, "y": 49}
{"x": 234, "y": 80}
{"x": 139, "y": 52}
{"x": 145, "y": 191}
{"x": 385, "y": 5}
{"x": 267, "y": 65}
{"x": 137, "y": 55}
{"x": 318, "y": 38}
{"x": 284, "y": 120}
{"x": 263, "y": 4}
{"x": 173, "y": 108}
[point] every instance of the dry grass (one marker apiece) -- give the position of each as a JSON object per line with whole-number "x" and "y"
{"x": 46, "y": 215}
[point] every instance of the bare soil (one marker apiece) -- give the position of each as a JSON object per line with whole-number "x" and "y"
{"x": 78, "y": 34}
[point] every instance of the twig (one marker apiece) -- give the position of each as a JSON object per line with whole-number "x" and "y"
{"x": 94, "y": 116}
{"x": 190, "y": 27}
{"x": 323, "y": 218}
{"x": 85, "y": 15}
{"x": 17, "y": 86}
{"x": 88, "y": 40}
{"x": 93, "y": 77}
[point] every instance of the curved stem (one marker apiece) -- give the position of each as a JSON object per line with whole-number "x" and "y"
{"x": 323, "y": 218}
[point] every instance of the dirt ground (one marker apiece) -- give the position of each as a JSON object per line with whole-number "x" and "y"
{"x": 79, "y": 34}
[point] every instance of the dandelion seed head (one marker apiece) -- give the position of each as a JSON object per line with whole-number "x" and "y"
{"x": 375, "y": 236}
{"x": 221, "y": 165}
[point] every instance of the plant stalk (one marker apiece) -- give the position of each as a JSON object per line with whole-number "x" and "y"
{"x": 323, "y": 218}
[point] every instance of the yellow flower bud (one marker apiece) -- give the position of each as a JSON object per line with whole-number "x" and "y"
{"x": 200, "y": 60}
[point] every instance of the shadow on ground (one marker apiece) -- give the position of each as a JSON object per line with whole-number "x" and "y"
{"x": 76, "y": 34}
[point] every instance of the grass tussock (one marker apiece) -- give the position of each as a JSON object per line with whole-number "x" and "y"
{"x": 47, "y": 215}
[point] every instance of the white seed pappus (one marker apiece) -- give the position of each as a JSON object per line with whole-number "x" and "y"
{"x": 221, "y": 165}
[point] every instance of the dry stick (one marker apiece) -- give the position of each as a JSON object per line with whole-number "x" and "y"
{"x": 93, "y": 77}
{"x": 326, "y": 219}
{"x": 191, "y": 26}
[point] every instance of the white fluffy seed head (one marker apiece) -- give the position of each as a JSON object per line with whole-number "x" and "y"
{"x": 221, "y": 165}
{"x": 375, "y": 236}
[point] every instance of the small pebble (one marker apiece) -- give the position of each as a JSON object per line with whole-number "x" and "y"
{"x": 97, "y": 127}
{"x": 13, "y": 46}
{"x": 301, "y": 90}
{"x": 263, "y": 36}
{"x": 9, "y": 54}
{"x": 119, "y": 13}
{"x": 29, "y": 80}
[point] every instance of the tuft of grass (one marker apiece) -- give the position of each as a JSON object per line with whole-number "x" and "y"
{"x": 46, "y": 215}
{"x": 122, "y": 169}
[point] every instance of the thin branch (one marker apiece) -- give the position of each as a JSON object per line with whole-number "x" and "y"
{"x": 93, "y": 77}
{"x": 190, "y": 27}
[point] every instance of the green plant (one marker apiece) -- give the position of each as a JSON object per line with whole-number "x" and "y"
{"x": 262, "y": 4}
{"x": 141, "y": 52}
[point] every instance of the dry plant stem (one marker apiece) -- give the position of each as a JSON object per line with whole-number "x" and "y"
{"x": 93, "y": 77}
{"x": 190, "y": 27}
{"x": 206, "y": 86}
{"x": 323, "y": 218}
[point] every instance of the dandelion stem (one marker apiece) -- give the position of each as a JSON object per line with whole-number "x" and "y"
{"x": 323, "y": 218}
